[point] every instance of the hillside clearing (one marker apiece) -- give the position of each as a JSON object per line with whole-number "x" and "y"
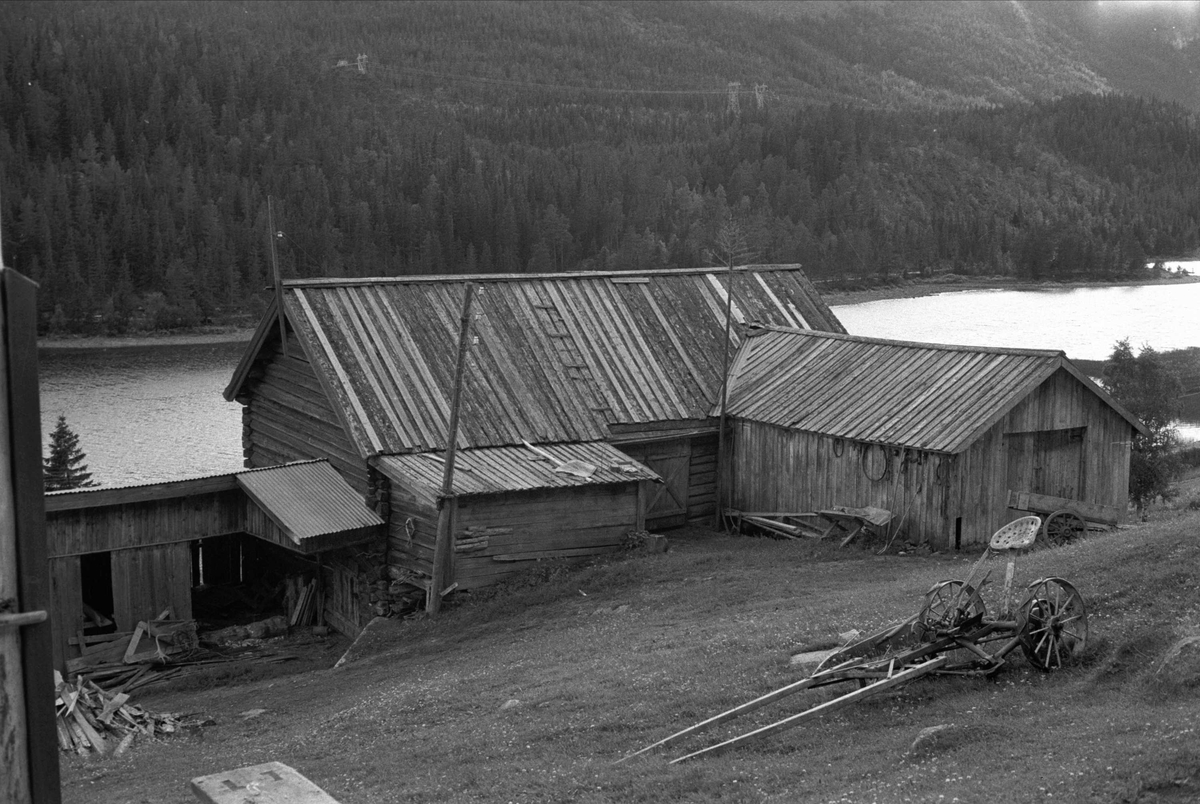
{"x": 533, "y": 693}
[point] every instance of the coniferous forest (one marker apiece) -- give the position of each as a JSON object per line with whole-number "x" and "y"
{"x": 140, "y": 143}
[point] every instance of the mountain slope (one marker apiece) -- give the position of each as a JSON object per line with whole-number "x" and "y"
{"x": 139, "y": 143}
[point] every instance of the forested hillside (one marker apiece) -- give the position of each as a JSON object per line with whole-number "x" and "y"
{"x": 140, "y": 142}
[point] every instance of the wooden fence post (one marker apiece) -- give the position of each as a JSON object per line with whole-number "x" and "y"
{"x": 26, "y": 654}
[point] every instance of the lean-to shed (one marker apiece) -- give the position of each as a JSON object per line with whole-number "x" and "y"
{"x": 945, "y": 437}
{"x": 607, "y": 361}
{"x": 127, "y": 553}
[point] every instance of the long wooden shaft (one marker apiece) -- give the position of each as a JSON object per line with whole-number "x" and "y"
{"x": 277, "y": 278}
{"x": 442, "y": 550}
{"x": 829, "y": 706}
{"x": 720, "y": 498}
{"x": 742, "y": 709}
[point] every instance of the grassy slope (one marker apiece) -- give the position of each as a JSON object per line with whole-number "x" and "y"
{"x": 607, "y": 659}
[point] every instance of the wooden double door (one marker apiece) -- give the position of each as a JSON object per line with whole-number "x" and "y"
{"x": 1047, "y": 462}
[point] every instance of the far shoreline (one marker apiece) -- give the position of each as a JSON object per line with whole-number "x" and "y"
{"x": 933, "y": 287}
{"x": 834, "y": 298}
{"x": 201, "y": 337}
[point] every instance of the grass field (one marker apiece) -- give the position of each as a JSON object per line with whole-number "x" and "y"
{"x": 532, "y": 693}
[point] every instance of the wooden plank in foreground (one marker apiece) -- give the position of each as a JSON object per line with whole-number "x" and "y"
{"x": 269, "y": 783}
{"x": 915, "y": 671}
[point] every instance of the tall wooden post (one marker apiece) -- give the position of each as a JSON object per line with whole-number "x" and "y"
{"x": 28, "y": 736}
{"x": 720, "y": 498}
{"x": 443, "y": 551}
{"x": 278, "y": 279}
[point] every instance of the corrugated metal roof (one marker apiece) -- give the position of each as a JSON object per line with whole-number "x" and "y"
{"x": 308, "y": 501}
{"x": 928, "y": 396}
{"x": 493, "y": 470}
{"x": 555, "y": 358}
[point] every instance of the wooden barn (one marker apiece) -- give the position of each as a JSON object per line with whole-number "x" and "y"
{"x": 125, "y": 554}
{"x": 625, "y": 367}
{"x": 955, "y": 441}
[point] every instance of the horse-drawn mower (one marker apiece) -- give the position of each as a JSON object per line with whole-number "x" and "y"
{"x": 950, "y": 635}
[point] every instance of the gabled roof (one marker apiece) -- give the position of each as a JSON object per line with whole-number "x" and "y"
{"x": 554, "y": 358}
{"x": 496, "y": 470}
{"x": 928, "y": 396}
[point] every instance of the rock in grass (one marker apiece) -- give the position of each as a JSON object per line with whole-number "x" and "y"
{"x": 511, "y": 703}
{"x": 932, "y": 740}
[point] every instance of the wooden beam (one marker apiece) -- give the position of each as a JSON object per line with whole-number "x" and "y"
{"x": 443, "y": 552}
{"x": 28, "y": 687}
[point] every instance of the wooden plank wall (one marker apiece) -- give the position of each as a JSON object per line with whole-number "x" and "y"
{"x": 287, "y": 417}
{"x": 594, "y": 519}
{"x": 66, "y": 610}
{"x": 775, "y": 469}
{"x": 702, "y": 485}
{"x": 586, "y": 518}
{"x": 120, "y": 527}
{"x": 147, "y": 580}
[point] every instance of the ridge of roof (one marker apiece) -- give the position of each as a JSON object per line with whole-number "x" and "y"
{"x": 762, "y": 329}
{"x": 495, "y": 278}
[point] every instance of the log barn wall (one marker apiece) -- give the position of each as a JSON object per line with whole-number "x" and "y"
{"x": 519, "y": 527}
{"x": 287, "y": 416}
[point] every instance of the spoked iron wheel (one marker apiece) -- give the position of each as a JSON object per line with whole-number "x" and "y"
{"x": 1052, "y": 624}
{"x": 948, "y": 605}
{"x": 1063, "y": 527}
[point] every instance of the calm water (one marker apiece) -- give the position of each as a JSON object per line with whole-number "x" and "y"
{"x": 146, "y": 414}
{"x": 156, "y": 413}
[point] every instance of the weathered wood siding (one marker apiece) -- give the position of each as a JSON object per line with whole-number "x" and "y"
{"x": 1097, "y": 466}
{"x": 539, "y": 524}
{"x": 1061, "y": 436}
{"x": 141, "y": 524}
{"x": 772, "y": 469}
{"x": 288, "y": 417}
{"x": 150, "y": 579}
{"x": 66, "y": 610}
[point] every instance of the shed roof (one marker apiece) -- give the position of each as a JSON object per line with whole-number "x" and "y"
{"x": 554, "y": 357}
{"x": 929, "y": 396}
{"x": 311, "y": 503}
{"x": 496, "y": 470}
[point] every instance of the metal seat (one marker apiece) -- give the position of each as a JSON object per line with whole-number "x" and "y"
{"x": 1016, "y": 535}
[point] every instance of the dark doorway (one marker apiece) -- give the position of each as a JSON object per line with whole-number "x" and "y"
{"x": 95, "y": 580}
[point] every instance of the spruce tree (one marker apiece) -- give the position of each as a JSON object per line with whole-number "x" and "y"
{"x": 64, "y": 468}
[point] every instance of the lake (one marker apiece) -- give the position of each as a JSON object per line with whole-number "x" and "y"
{"x": 146, "y": 414}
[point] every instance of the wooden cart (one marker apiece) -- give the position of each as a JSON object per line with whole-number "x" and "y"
{"x": 950, "y": 635}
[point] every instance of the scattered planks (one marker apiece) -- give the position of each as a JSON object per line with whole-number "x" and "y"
{"x": 91, "y": 720}
{"x": 154, "y": 640}
{"x": 303, "y": 602}
{"x": 847, "y": 522}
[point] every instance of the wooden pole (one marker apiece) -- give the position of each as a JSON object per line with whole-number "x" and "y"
{"x": 27, "y": 729}
{"x": 277, "y": 277}
{"x": 443, "y": 550}
{"x": 719, "y": 497}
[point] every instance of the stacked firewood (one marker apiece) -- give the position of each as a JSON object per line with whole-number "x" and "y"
{"x": 91, "y": 720}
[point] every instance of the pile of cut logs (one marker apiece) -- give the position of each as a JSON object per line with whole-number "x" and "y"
{"x": 91, "y": 720}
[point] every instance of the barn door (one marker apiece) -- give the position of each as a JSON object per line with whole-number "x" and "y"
{"x": 668, "y": 505}
{"x": 1047, "y": 462}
